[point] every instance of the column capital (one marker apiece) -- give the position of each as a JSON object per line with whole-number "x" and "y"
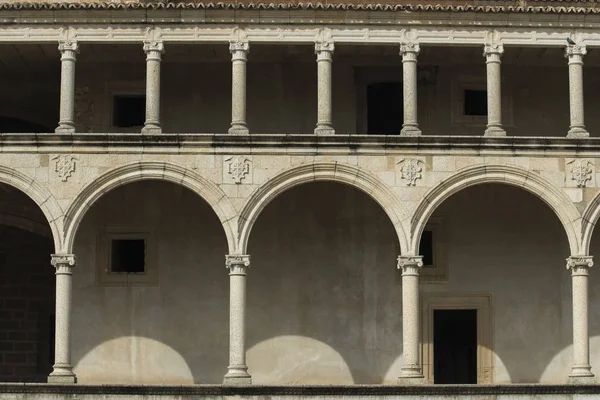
{"x": 239, "y": 49}
{"x": 409, "y": 51}
{"x": 64, "y": 263}
{"x": 326, "y": 46}
{"x": 575, "y": 53}
{"x": 68, "y": 50}
{"x": 579, "y": 265}
{"x": 237, "y": 264}
{"x": 493, "y": 52}
{"x": 154, "y": 46}
{"x": 410, "y": 264}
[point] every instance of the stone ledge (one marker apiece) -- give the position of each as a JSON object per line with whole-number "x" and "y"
{"x": 111, "y": 142}
{"x": 305, "y": 391}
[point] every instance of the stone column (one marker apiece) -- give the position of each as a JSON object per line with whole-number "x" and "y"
{"x": 581, "y": 371}
{"x": 492, "y": 54}
{"x": 575, "y": 55}
{"x": 68, "y": 51}
{"x": 409, "y": 53}
{"x": 237, "y": 372}
{"x": 412, "y": 370}
{"x": 154, "y": 51}
{"x": 324, "y": 52}
{"x": 63, "y": 370}
{"x": 239, "y": 57}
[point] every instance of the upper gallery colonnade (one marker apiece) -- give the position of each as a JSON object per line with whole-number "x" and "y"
{"x": 155, "y": 41}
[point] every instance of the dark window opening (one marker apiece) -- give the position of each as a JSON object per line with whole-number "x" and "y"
{"x": 129, "y": 111}
{"x": 128, "y": 256}
{"x": 455, "y": 346}
{"x": 476, "y": 102}
{"x": 15, "y": 125}
{"x": 384, "y": 108}
{"x": 426, "y": 248}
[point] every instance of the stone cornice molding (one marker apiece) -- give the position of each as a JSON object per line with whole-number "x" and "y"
{"x": 64, "y": 263}
{"x": 579, "y": 265}
{"x": 410, "y": 265}
{"x": 237, "y": 264}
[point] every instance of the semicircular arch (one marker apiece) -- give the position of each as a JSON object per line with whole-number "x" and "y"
{"x": 41, "y": 196}
{"x": 554, "y": 197}
{"x": 321, "y": 171}
{"x": 151, "y": 170}
{"x": 590, "y": 217}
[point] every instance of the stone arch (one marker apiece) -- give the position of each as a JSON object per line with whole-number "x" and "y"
{"x": 321, "y": 171}
{"x": 554, "y": 197}
{"x": 590, "y": 218}
{"x": 151, "y": 170}
{"x": 41, "y": 197}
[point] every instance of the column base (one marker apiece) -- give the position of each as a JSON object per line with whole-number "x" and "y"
{"x": 65, "y": 129}
{"x": 582, "y": 380}
{"x": 237, "y": 376}
{"x": 581, "y": 374}
{"x": 238, "y": 130}
{"x": 578, "y": 132}
{"x": 411, "y": 380}
{"x": 62, "y": 374}
{"x": 410, "y": 131}
{"x": 494, "y": 131}
{"x": 152, "y": 130}
{"x": 324, "y": 130}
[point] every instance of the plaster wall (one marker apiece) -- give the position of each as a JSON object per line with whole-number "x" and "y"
{"x": 324, "y": 297}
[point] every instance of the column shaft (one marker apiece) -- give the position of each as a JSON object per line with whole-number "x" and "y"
{"x": 412, "y": 371}
{"x": 575, "y": 55}
{"x": 409, "y": 53}
{"x": 239, "y": 57}
{"x": 68, "y": 57}
{"x": 324, "y": 52}
{"x": 581, "y": 371}
{"x": 154, "y": 51}
{"x": 63, "y": 370}
{"x": 492, "y": 54}
{"x": 237, "y": 372}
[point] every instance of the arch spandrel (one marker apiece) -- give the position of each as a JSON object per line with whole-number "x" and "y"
{"x": 148, "y": 170}
{"x": 315, "y": 172}
{"x": 41, "y": 196}
{"x": 553, "y": 196}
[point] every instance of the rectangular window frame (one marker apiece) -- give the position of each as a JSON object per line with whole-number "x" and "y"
{"x": 121, "y": 89}
{"x": 438, "y": 271}
{"x": 107, "y": 278}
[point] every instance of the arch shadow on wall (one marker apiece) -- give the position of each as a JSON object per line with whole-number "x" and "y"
{"x": 315, "y": 172}
{"x": 151, "y": 170}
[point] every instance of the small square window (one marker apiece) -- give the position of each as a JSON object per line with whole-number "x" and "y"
{"x": 475, "y": 102}
{"x": 128, "y": 256}
{"x": 129, "y": 111}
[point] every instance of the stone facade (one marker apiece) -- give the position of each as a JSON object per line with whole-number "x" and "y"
{"x": 282, "y": 241}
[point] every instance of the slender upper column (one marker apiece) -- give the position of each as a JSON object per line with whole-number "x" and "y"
{"x": 409, "y": 52}
{"x": 68, "y": 51}
{"x": 575, "y": 55}
{"x": 237, "y": 372}
{"x": 324, "y": 52}
{"x": 63, "y": 370}
{"x": 154, "y": 51}
{"x": 412, "y": 370}
{"x": 581, "y": 371}
{"x": 492, "y": 54}
{"x": 239, "y": 57}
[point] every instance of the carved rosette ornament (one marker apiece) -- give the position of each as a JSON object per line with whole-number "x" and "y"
{"x": 237, "y": 264}
{"x": 411, "y": 170}
{"x": 65, "y": 165}
{"x": 410, "y": 265}
{"x": 579, "y": 265}
{"x": 63, "y": 263}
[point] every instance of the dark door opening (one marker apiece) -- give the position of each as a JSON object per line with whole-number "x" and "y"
{"x": 385, "y": 111}
{"x": 455, "y": 346}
